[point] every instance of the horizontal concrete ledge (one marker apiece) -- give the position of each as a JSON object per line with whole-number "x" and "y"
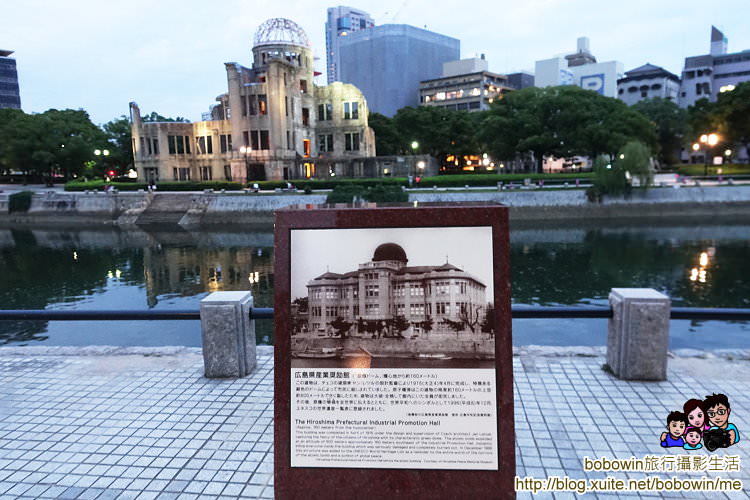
{"x": 207, "y": 209}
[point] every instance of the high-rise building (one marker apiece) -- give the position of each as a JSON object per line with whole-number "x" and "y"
{"x": 341, "y": 21}
{"x": 581, "y": 69}
{"x": 646, "y": 82}
{"x": 387, "y": 63}
{"x": 272, "y": 123}
{"x": 708, "y": 75}
{"x": 9, "y": 94}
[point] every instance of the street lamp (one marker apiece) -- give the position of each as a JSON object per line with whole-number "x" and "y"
{"x": 709, "y": 140}
{"x": 414, "y": 146}
{"x": 245, "y": 151}
{"x": 101, "y": 152}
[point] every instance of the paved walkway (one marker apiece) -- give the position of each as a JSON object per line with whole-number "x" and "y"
{"x": 143, "y": 423}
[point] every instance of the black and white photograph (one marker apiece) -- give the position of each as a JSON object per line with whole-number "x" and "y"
{"x": 392, "y": 298}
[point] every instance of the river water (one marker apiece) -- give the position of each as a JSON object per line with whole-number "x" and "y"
{"x": 701, "y": 264}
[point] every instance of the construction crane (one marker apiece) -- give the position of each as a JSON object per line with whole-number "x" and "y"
{"x": 398, "y": 11}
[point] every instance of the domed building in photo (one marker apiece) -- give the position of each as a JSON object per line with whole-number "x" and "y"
{"x": 386, "y": 287}
{"x": 272, "y": 123}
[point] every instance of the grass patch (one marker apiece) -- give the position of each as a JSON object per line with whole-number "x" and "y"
{"x": 697, "y": 170}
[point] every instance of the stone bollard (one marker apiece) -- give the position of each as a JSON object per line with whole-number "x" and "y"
{"x": 638, "y": 335}
{"x": 228, "y": 334}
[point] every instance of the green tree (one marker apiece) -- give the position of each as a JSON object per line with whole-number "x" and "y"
{"x": 702, "y": 119}
{"x": 561, "y": 121}
{"x": 120, "y": 137}
{"x": 437, "y": 131}
{"x": 732, "y": 115}
{"x": 56, "y": 141}
{"x": 634, "y": 159}
{"x": 156, "y": 117}
{"x": 671, "y": 125}
{"x": 387, "y": 138}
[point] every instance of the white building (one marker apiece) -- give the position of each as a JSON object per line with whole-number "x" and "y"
{"x": 581, "y": 69}
{"x": 340, "y": 22}
{"x": 647, "y": 82}
{"x": 708, "y": 75}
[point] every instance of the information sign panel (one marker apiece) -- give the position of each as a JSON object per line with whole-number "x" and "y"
{"x": 393, "y": 357}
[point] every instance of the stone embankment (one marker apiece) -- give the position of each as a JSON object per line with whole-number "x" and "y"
{"x": 189, "y": 209}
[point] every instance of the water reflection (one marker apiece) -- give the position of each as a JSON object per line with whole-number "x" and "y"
{"x": 109, "y": 268}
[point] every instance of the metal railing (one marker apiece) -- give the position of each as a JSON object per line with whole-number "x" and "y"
{"x": 517, "y": 312}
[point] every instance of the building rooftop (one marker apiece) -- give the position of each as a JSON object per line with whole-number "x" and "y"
{"x": 5, "y": 53}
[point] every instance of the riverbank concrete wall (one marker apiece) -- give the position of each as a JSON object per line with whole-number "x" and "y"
{"x": 215, "y": 208}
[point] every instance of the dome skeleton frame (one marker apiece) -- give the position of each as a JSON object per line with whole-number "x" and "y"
{"x": 280, "y": 31}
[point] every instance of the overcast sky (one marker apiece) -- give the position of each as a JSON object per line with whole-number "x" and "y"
{"x": 168, "y": 55}
{"x": 315, "y": 251}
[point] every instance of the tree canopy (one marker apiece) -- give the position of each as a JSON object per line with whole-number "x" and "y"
{"x": 562, "y": 121}
{"x": 671, "y": 126}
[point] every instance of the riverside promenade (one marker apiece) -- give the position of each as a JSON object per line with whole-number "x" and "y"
{"x": 105, "y": 423}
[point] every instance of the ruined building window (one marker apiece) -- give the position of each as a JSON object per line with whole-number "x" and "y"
{"x": 264, "y": 140}
{"x": 225, "y": 142}
{"x": 148, "y": 143}
{"x": 244, "y": 106}
{"x": 325, "y": 111}
{"x": 245, "y": 138}
{"x": 306, "y": 147}
{"x": 255, "y": 140}
{"x": 142, "y": 149}
{"x": 351, "y": 110}
{"x": 303, "y": 86}
{"x": 262, "y": 104}
{"x": 325, "y": 143}
{"x": 180, "y": 145}
{"x": 181, "y": 174}
{"x": 286, "y": 105}
{"x": 209, "y": 145}
{"x": 200, "y": 145}
{"x": 306, "y": 117}
{"x": 252, "y": 105}
{"x": 228, "y": 173}
{"x": 288, "y": 140}
{"x": 206, "y": 174}
{"x": 351, "y": 141}
{"x": 156, "y": 146}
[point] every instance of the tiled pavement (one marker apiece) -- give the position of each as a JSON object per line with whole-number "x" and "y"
{"x": 146, "y": 424}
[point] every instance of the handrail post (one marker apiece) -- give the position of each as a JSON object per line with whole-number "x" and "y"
{"x": 228, "y": 334}
{"x": 638, "y": 336}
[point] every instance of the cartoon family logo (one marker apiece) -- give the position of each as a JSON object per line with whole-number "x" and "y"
{"x": 686, "y": 429}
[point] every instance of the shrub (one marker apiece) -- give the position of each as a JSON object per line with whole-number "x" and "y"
{"x": 345, "y": 193}
{"x": 19, "y": 202}
{"x": 379, "y": 193}
{"x": 98, "y": 185}
{"x": 635, "y": 160}
{"x": 609, "y": 179}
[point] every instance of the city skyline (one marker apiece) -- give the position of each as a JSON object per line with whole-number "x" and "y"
{"x": 161, "y": 55}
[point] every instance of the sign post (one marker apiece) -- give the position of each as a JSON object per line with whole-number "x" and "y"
{"x": 393, "y": 356}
